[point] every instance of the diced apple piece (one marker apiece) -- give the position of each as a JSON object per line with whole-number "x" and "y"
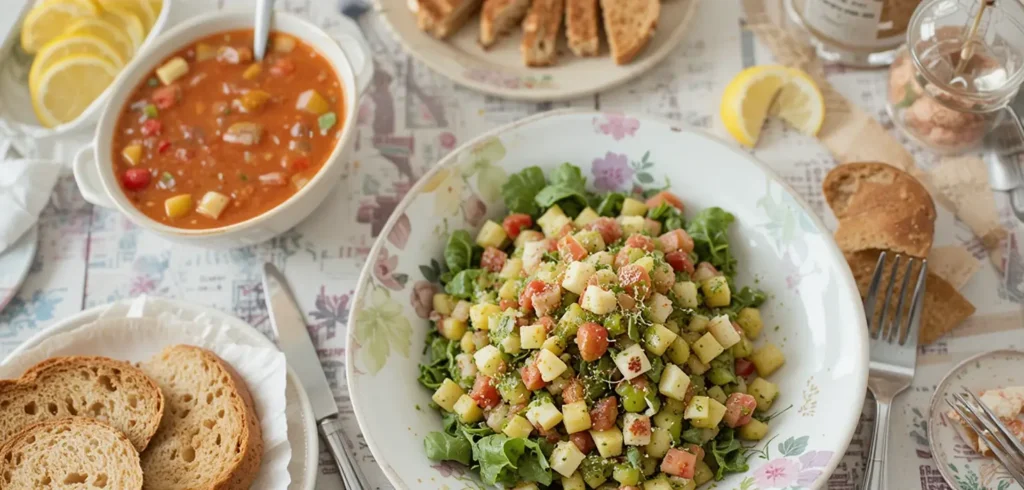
{"x": 674, "y": 382}
{"x": 527, "y": 236}
{"x": 661, "y": 441}
{"x": 575, "y": 417}
{"x": 707, "y": 348}
{"x": 518, "y": 426}
{"x": 699, "y": 324}
{"x": 508, "y": 290}
{"x": 647, "y": 262}
{"x": 550, "y": 272}
{"x": 764, "y": 392}
{"x": 566, "y": 458}
{"x": 545, "y": 416}
{"x": 511, "y": 344}
{"x": 636, "y": 429}
{"x": 577, "y": 275}
{"x": 491, "y": 235}
{"x": 574, "y": 482}
{"x": 749, "y": 320}
{"x": 554, "y": 345}
{"x": 447, "y": 394}
{"x": 659, "y": 483}
{"x": 721, "y": 328}
{"x": 659, "y": 308}
{"x": 213, "y": 204}
{"x": 716, "y": 292}
{"x": 532, "y": 336}
{"x": 178, "y": 206}
{"x": 600, "y": 258}
{"x": 488, "y": 360}
{"x": 591, "y": 240}
{"x": 461, "y": 310}
{"x": 511, "y": 269}
{"x": 632, "y": 207}
{"x": 586, "y": 217}
{"x": 452, "y": 329}
{"x": 704, "y": 412}
{"x": 553, "y": 220}
{"x": 599, "y": 301}
{"x": 172, "y": 70}
{"x": 686, "y": 294}
{"x": 480, "y": 314}
{"x": 312, "y": 102}
{"x": 632, "y": 362}
{"x": 657, "y": 339}
{"x": 132, "y": 154}
{"x": 549, "y": 365}
{"x": 533, "y": 254}
{"x": 608, "y": 442}
{"x": 679, "y": 351}
{"x": 767, "y": 359}
{"x": 755, "y": 430}
{"x": 443, "y": 303}
{"x": 467, "y": 409}
{"x": 631, "y": 224}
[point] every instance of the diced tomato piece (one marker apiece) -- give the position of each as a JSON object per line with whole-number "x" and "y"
{"x": 573, "y": 392}
{"x": 663, "y": 277}
{"x": 680, "y": 262}
{"x": 526, "y": 296}
{"x": 744, "y": 367}
{"x": 484, "y": 392}
{"x": 163, "y": 146}
{"x": 608, "y": 228}
{"x": 583, "y": 441}
{"x": 548, "y": 322}
{"x": 635, "y": 280}
{"x": 166, "y": 97}
{"x": 704, "y": 271}
{"x": 136, "y": 178}
{"x": 282, "y": 67}
{"x": 570, "y": 248}
{"x": 493, "y": 259}
{"x": 603, "y": 413}
{"x": 739, "y": 409}
{"x": 676, "y": 240}
{"x": 515, "y": 223}
{"x": 592, "y": 340}
{"x": 541, "y": 297}
{"x": 640, "y": 382}
{"x": 651, "y": 226}
{"x": 532, "y": 378}
{"x": 151, "y": 127}
{"x": 666, "y": 197}
{"x": 626, "y": 302}
{"x": 640, "y": 241}
{"x": 564, "y": 231}
{"x": 621, "y": 258}
{"x": 509, "y": 303}
{"x": 679, "y": 463}
{"x": 300, "y": 164}
{"x": 694, "y": 450}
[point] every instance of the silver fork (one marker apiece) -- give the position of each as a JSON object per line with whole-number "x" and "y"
{"x": 893, "y": 353}
{"x": 1004, "y": 445}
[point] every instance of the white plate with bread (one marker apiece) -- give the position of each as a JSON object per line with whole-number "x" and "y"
{"x": 539, "y": 50}
{"x": 170, "y": 416}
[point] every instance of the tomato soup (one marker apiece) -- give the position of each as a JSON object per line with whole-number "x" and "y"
{"x": 212, "y": 137}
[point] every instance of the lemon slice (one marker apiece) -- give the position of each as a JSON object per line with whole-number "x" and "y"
{"x": 105, "y": 31}
{"x": 65, "y": 89}
{"x": 128, "y": 22}
{"x": 68, "y": 45}
{"x": 143, "y": 9}
{"x": 760, "y": 91}
{"x": 49, "y": 20}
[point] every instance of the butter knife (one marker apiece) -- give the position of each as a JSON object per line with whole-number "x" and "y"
{"x": 293, "y": 338}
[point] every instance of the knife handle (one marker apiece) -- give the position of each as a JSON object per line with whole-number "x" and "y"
{"x": 331, "y": 431}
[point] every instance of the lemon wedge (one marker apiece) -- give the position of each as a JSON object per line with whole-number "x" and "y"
{"x": 143, "y": 9}
{"x": 65, "y": 46}
{"x": 69, "y": 85}
{"x": 106, "y": 31}
{"x": 50, "y": 19}
{"x": 760, "y": 91}
{"x": 128, "y": 22}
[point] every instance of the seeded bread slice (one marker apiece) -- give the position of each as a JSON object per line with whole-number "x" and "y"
{"x": 629, "y": 25}
{"x": 112, "y": 391}
{"x": 581, "y": 27}
{"x": 209, "y": 438}
{"x": 69, "y": 453}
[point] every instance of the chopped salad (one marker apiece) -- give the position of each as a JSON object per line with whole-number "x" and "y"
{"x": 596, "y": 341}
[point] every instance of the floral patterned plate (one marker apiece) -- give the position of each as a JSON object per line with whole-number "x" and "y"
{"x": 814, "y": 305}
{"x": 963, "y": 468}
{"x": 500, "y": 71}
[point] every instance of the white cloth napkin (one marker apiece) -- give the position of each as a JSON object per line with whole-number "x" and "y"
{"x": 25, "y": 187}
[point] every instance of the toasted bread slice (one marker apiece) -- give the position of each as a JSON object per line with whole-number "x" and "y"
{"x": 498, "y": 17}
{"x": 540, "y": 32}
{"x": 69, "y": 453}
{"x": 581, "y": 23}
{"x": 112, "y": 391}
{"x": 442, "y": 18}
{"x": 629, "y": 25}
{"x": 209, "y": 438}
{"x": 880, "y": 207}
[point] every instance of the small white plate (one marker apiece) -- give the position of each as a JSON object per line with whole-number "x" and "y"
{"x": 302, "y": 431}
{"x": 15, "y": 263}
{"x": 963, "y": 468}
{"x": 500, "y": 71}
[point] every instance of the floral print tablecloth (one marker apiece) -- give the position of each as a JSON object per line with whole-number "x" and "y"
{"x": 408, "y": 119}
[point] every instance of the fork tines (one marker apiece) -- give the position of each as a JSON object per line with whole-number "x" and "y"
{"x": 1004, "y": 445}
{"x": 895, "y": 329}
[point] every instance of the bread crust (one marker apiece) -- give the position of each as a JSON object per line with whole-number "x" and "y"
{"x": 627, "y": 34}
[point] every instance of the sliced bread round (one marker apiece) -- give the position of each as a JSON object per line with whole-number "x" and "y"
{"x": 105, "y": 389}
{"x": 209, "y": 438}
{"x": 69, "y": 453}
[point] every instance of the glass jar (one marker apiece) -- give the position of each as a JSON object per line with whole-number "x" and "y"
{"x": 860, "y": 33}
{"x": 947, "y": 102}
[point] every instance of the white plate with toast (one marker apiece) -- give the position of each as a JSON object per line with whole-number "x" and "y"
{"x": 297, "y": 414}
{"x": 500, "y": 70}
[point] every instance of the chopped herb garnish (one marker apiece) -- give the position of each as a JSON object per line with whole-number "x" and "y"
{"x": 166, "y": 177}
{"x": 243, "y": 177}
{"x": 327, "y": 121}
{"x": 152, "y": 82}
{"x": 150, "y": 111}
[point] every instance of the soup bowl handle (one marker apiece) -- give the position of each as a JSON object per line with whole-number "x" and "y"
{"x": 88, "y": 179}
{"x": 357, "y": 50}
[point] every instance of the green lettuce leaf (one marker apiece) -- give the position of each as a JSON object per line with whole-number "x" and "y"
{"x": 443, "y": 447}
{"x": 611, "y": 205}
{"x": 520, "y": 190}
{"x": 728, "y": 453}
{"x": 711, "y": 240}
{"x": 458, "y": 252}
{"x": 464, "y": 284}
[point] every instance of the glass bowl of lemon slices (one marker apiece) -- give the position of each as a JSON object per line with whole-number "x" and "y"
{"x": 61, "y": 56}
